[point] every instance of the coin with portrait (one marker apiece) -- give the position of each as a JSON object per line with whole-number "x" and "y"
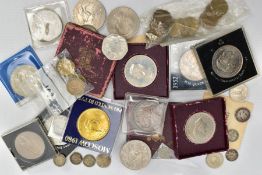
{"x": 239, "y": 93}
{"x": 65, "y": 67}
{"x": 103, "y": 160}
{"x": 231, "y": 155}
{"x": 214, "y": 160}
{"x": 233, "y": 135}
{"x": 76, "y": 158}
{"x": 89, "y": 160}
{"x": 76, "y": 85}
{"x": 242, "y": 115}
{"x": 59, "y": 160}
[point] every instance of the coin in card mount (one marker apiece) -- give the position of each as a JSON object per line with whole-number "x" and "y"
{"x": 233, "y": 135}
{"x": 231, "y": 155}
{"x": 239, "y": 93}
{"x": 242, "y": 115}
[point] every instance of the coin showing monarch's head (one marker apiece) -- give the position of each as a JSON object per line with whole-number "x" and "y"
{"x": 233, "y": 135}
{"x": 76, "y": 86}
{"x": 242, "y": 115}
{"x": 65, "y": 67}
{"x": 227, "y": 61}
{"x": 231, "y": 155}
{"x": 89, "y": 160}
{"x": 239, "y": 93}
{"x": 93, "y": 124}
{"x": 140, "y": 71}
{"x": 76, "y": 158}
{"x": 200, "y": 128}
{"x": 189, "y": 67}
{"x": 103, "y": 160}
{"x": 59, "y": 160}
{"x": 214, "y": 160}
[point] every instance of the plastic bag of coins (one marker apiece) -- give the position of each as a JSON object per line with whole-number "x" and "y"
{"x": 189, "y": 20}
{"x": 185, "y": 73}
{"x": 227, "y": 61}
{"x": 93, "y": 124}
{"x": 199, "y": 128}
{"x": 144, "y": 115}
{"x": 29, "y": 144}
{"x": 46, "y": 22}
{"x": 16, "y": 71}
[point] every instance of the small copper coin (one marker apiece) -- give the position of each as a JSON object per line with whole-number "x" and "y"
{"x": 59, "y": 160}
{"x": 89, "y": 160}
{"x": 231, "y": 155}
{"x": 76, "y": 158}
{"x": 103, "y": 160}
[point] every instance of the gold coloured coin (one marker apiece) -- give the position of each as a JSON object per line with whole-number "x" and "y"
{"x": 93, "y": 124}
{"x": 65, "y": 67}
{"x": 76, "y": 86}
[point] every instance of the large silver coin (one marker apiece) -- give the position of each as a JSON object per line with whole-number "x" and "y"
{"x": 239, "y": 93}
{"x": 45, "y": 25}
{"x": 24, "y": 80}
{"x": 89, "y": 12}
{"x": 233, "y": 135}
{"x": 140, "y": 71}
{"x": 214, "y": 160}
{"x": 242, "y": 115}
{"x": 189, "y": 67}
{"x": 227, "y": 61}
{"x": 123, "y": 21}
{"x": 200, "y": 128}
{"x": 147, "y": 117}
{"x": 135, "y": 155}
{"x": 231, "y": 155}
{"x": 114, "y": 47}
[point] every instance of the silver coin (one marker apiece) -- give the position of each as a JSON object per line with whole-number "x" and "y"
{"x": 239, "y": 93}
{"x": 89, "y": 160}
{"x": 103, "y": 160}
{"x": 189, "y": 67}
{"x": 135, "y": 155}
{"x": 214, "y": 160}
{"x": 147, "y": 116}
{"x": 89, "y": 12}
{"x": 89, "y": 27}
{"x": 76, "y": 158}
{"x": 233, "y": 135}
{"x": 242, "y": 115}
{"x": 45, "y": 25}
{"x": 164, "y": 152}
{"x": 140, "y": 71}
{"x": 231, "y": 155}
{"x": 200, "y": 128}
{"x": 59, "y": 160}
{"x": 123, "y": 21}
{"x": 114, "y": 47}
{"x": 227, "y": 61}
{"x": 24, "y": 80}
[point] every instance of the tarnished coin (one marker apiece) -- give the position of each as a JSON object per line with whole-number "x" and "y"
{"x": 24, "y": 80}
{"x": 89, "y": 160}
{"x": 93, "y": 124}
{"x": 147, "y": 116}
{"x": 214, "y": 160}
{"x": 200, "y": 128}
{"x": 135, "y": 155}
{"x": 89, "y": 12}
{"x": 140, "y": 71}
{"x": 233, "y": 135}
{"x": 76, "y": 86}
{"x": 242, "y": 115}
{"x": 231, "y": 155}
{"x": 123, "y": 21}
{"x": 59, "y": 159}
{"x": 45, "y": 25}
{"x": 227, "y": 61}
{"x": 103, "y": 160}
{"x": 114, "y": 47}
{"x": 239, "y": 93}
{"x": 76, "y": 158}
{"x": 189, "y": 67}
{"x": 65, "y": 67}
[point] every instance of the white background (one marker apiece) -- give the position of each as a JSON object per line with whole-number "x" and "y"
{"x": 14, "y": 36}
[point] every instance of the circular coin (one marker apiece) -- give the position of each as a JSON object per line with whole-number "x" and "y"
{"x": 200, "y": 128}
{"x": 59, "y": 160}
{"x": 89, "y": 160}
{"x": 231, "y": 155}
{"x": 76, "y": 86}
{"x": 24, "y": 80}
{"x": 114, "y": 47}
{"x": 89, "y": 27}
{"x": 214, "y": 160}
{"x": 65, "y": 67}
{"x": 45, "y": 25}
{"x": 89, "y": 12}
{"x": 140, "y": 71}
{"x": 135, "y": 155}
{"x": 189, "y": 67}
{"x": 103, "y": 160}
{"x": 233, "y": 135}
{"x": 76, "y": 158}
{"x": 123, "y": 21}
{"x": 242, "y": 115}
{"x": 93, "y": 124}
{"x": 239, "y": 93}
{"x": 227, "y": 61}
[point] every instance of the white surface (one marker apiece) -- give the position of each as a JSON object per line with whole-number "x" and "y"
{"x": 14, "y": 36}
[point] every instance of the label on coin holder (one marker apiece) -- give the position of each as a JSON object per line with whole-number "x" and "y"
{"x": 14, "y": 79}
{"x": 53, "y": 15}
{"x": 93, "y": 124}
